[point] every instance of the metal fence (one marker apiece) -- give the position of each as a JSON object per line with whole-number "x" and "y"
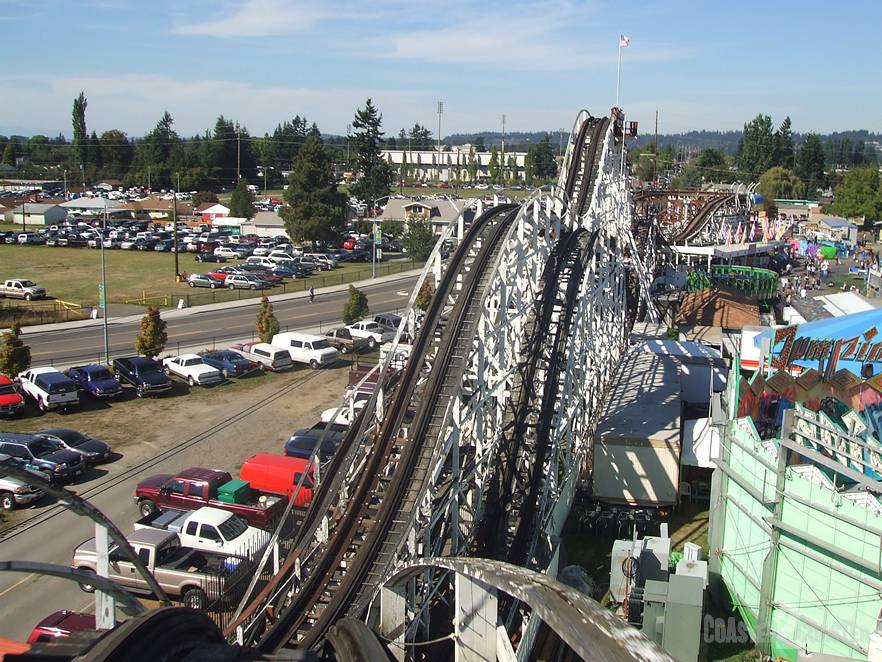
{"x": 40, "y": 312}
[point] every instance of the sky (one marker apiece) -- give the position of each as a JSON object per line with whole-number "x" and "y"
{"x": 702, "y": 64}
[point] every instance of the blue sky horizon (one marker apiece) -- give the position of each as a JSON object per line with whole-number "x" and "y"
{"x": 702, "y": 65}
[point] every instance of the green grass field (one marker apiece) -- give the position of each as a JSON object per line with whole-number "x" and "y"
{"x": 73, "y": 274}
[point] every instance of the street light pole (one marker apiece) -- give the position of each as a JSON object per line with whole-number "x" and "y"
{"x": 175, "y": 228}
{"x": 104, "y": 288}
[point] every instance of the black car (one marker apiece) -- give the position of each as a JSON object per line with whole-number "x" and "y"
{"x": 92, "y": 450}
{"x": 209, "y": 257}
{"x": 303, "y": 442}
{"x": 32, "y": 452}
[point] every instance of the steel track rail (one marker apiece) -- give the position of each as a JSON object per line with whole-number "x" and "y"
{"x": 353, "y": 521}
{"x": 702, "y": 218}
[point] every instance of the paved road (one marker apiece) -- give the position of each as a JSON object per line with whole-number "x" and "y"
{"x": 71, "y": 346}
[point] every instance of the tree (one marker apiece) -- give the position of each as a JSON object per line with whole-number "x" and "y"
{"x": 80, "y": 136}
{"x": 529, "y": 160}
{"x": 479, "y": 144}
{"x": 810, "y": 165}
{"x": 493, "y": 164}
{"x": 116, "y": 152}
{"x": 780, "y": 183}
{"x": 242, "y": 201}
{"x": 152, "y": 338}
{"x": 544, "y": 164}
{"x": 424, "y": 296}
{"x": 356, "y": 307}
{"x": 472, "y": 165}
{"x": 376, "y": 175}
{"x": 756, "y": 150}
{"x": 267, "y": 324}
{"x": 712, "y": 165}
{"x": 783, "y": 155}
{"x": 419, "y": 239}
{"x": 420, "y": 137}
{"x": 315, "y": 209}
{"x": 9, "y": 154}
{"x": 391, "y": 227}
{"x": 15, "y": 356}
{"x": 858, "y": 196}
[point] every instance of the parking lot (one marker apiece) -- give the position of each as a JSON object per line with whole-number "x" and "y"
{"x": 217, "y": 428}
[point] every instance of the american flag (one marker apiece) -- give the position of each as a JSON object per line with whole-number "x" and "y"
{"x": 624, "y": 41}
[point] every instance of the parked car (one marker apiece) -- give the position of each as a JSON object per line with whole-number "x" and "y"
{"x": 192, "y": 368}
{"x": 209, "y": 257}
{"x": 344, "y": 341}
{"x": 18, "y": 288}
{"x": 14, "y": 492}
{"x": 96, "y": 380}
{"x": 245, "y": 282}
{"x": 303, "y": 442}
{"x": 11, "y": 402}
{"x": 230, "y": 363}
{"x": 208, "y": 529}
{"x": 93, "y": 451}
{"x": 270, "y": 357}
{"x": 194, "y": 488}
{"x": 31, "y": 452}
{"x": 278, "y": 474}
{"x": 182, "y": 573}
{"x": 374, "y": 333}
{"x": 227, "y": 253}
{"x": 49, "y": 388}
{"x": 315, "y": 351}
{"x": 204, "y": 280}
{"x": 60, "y": 625}
{"x": 388, "y": 321}
{"x": 146, "y": 375}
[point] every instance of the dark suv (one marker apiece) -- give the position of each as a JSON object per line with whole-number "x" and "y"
{"x": 31, "y": 452}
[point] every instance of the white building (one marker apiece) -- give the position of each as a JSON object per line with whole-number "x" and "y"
{"x": 38, "y": 214}
{"x": 439, "y": 212}
{"x": 265, "y": 224}
{"x": 432, "y": 165}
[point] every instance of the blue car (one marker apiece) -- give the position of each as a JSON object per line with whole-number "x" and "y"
{"x": 96, "y": 380}
{"x": 230, "y": 363}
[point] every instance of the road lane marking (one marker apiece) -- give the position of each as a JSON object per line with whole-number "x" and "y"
{"x": 17, "y": 584}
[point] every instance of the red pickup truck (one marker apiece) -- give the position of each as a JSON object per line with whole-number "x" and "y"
{"x": 195, "y": 488}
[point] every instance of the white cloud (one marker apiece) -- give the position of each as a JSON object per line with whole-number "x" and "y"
{"x": 257, "y": 18}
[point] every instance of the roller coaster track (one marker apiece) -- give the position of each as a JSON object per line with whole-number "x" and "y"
{"x": 366, "y": 537}
{"x": 703, "y": 217}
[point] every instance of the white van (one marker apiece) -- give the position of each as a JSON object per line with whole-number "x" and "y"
{"x": 305, "y": 348}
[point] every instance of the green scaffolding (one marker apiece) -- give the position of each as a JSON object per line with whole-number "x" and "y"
{"x": 754, "y": 282}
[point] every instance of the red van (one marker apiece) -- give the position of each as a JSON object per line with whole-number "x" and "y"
{"x": 278, "y": 474}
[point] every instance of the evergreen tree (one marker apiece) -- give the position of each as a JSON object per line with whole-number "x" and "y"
{"x": 315, "y": 209}
{"x": 376, "y": 175}
{"x": 9, "y": 154}
{"x": 472, "y": 165}
{"x": 419, "y": 240}
{"x": 529, "y": 159}
{"x": 493, "y": 165}
{"x": 242, "y": 201}
{"x": 94, "y": 152}
{"x": 15, "y": 356}
{"x": 544, "y": 164}
{"x": 116, "y": 153}
{"x": 80, "y": 136}
{"x": 202, "y": 197}
{"x": 756, "y": 150}
{"x": 356, "y": 307}
{"x": 479, "y": 144}
{"x": 810, "y": 165}
{"x": 784, "y": 145}
{"x": 152, "y": 338}
{"x": 267, "y": 324}
{"x": 424, "y": 296}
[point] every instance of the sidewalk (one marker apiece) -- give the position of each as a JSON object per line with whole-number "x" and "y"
{"x": 175, "y": 313}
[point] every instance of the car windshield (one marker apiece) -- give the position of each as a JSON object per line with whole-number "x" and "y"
{"x": 43, "y": 447}
{"x": 100, "y": 373}
{"x": 233, "y": 528}
{"x": 27, "y": 283}
{"x": 7, "y": 389}
{"x": 70, "y": 437}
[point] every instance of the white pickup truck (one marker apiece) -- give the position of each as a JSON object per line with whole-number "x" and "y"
{"x": 49, "y": 388}
{"x": 18, "y": 288}
{"x": 192, "y": 368}
{"x": 208, "y": 530}
{"x": 376, "y": 335}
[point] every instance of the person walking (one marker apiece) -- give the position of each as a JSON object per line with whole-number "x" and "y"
{"x": 311, "y": 294}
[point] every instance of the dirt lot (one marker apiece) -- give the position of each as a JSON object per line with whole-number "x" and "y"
{"x": 224, "y": 425}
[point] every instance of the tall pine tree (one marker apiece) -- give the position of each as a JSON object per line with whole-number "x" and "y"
{"x": 80, "y": 134}
{"x": 810, "y": 165}
{"x": 376, "y": 175}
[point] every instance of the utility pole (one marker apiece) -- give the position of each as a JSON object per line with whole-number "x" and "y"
{"x": 264, "y": 179}
{"x": 24, "y": 224}
{"x": 175, "y": 230}
{"x": 348, "y": 131}
{"x": 502, "y": 159}
{"x": 238, "y": 153}
{"x": 102, "y": 299}
{"x": 560, "y": 146}
{"x": 65, "y": 183}
{"x": 440, "y": 112}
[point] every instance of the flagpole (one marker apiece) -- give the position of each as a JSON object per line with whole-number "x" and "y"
{"x": 619, "y": 73}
